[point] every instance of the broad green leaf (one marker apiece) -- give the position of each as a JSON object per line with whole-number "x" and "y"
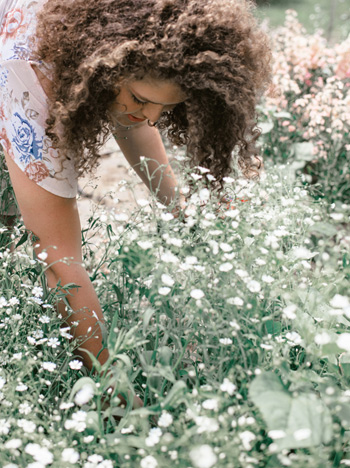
{"x": 92, "y": 420}
{"x": 344, "y": 363}
{"x": 165, "y": 355}
{"x": 146, "y": 319}
{"x": 300, "y": 421}
{"x": 323, "y": 228}
{"x": 175, "y": 394}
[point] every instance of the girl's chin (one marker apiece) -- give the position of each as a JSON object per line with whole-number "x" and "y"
{"x": 124, "y": 120}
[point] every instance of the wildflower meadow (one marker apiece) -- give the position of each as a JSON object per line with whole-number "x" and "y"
{"x": 232, "y": 323}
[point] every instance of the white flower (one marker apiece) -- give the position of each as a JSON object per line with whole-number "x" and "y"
{"x": 235, "y": 325}
{"x": 260, "y": 261}
{"x": 95, "y": 458}
{"x": 13, "y": 444}
{"x": 75, "y": 364}
{"x": 302, "y": 253}
{"x": 145, "y": 244}
{"x": 64, "y": 331}
{"x": 254, "y": 286}
{"x": 237, "y": 301}
{"x": 53, "y": 342}
{"x": 225, "y": 267}
{"x": 167, "y": 216}
{"x": 27, "y": 426}
{"x": 21, "y": 387}
{"x": 225, "y": 341}
{"x": 128, "y": 430}
{"x": 50, "y": 366}
{"x": 228, "y": 180}
{"x": 84, "y": 395}
{"x": 191, "y": 260}
{"x": 37, "y": 291}
{"x": 322, "y": 338}
{"x": 142, "y": 202}
{"x": 4, "y": 426}
{"x": 121, "y": 217}
{"x": 225, "y": 247}
{"x": 206, "y": 424}
{"x": 167, "y": 280}
{"x": 276, "y": 434}
{"x": 337, "y": 216}
{"x": 294, "y": 337}
{"x": 42, "y": 256}
{"x": 339, "y": 302}
{"x": 204, "y": 195}
{"x": 289, "y": 311}
{"x": 13, "y": 301}
{"x": 343, "y": 341}
{"x": 228, "y": 387}
{"x": 203, "y": 456}
{"x": 247, "y": 437}
{"x": 40, "y": 454}
{"x": 165, "y": 419}
{"x": 231, "y": 213}
{"x": 164, "y": 291}
{"x": 197, "y": 294}
{"x": 3, "y": 302}
{"x": 168, "y": 257}
{"x": 302, "y": 434}
{"x": 267, "y": 279}
{"x": 241, "y": 273}
{"x": 149, "y": 462}
{"x": 2, "y": 382}
{"x": 210, "y": 404}
{"x": 64, "y": 405}
{"x": 70, "y": 455}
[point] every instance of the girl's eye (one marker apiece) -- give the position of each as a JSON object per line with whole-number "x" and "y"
{"x": 136, "y": 100}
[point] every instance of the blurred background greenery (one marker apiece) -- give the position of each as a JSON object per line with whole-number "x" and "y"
{"x": 332, "y": 16}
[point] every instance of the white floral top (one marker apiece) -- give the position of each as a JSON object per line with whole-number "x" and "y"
{"x": 23, "y": 103}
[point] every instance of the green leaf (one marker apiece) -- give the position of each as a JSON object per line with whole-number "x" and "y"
{"x": 344, "y": 363}
{"x": 146, "y": 319}
{"x": 165, "y": 355}
{"x": 326, "y": 229}
{"x": 92, "y": 421}
{"x": 304, "y": 419}
{"x": 175, "y": 395}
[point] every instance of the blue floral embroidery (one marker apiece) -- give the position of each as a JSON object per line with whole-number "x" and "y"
{"x": 25, "y": 140}
{"x": 3, "y": 76}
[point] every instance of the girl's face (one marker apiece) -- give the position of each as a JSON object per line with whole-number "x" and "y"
{"x": 145, "y": 99}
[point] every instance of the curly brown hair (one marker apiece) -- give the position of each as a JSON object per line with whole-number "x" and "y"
{"x": 213, "y": 49}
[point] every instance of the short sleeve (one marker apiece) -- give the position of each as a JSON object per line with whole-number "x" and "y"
{"x": 23, "y": 115}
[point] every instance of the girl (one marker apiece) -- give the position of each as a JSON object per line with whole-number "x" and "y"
{"x": 72, "y": 71}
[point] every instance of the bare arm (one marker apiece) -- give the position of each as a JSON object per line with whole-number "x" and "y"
{"x": 55, "y": 221}
{"x": 143, "y": 140}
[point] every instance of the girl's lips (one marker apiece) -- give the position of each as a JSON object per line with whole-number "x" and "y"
{"x": 135, "y": 119}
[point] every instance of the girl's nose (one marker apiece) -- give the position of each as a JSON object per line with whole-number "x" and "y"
{"x": 152, "y": 112}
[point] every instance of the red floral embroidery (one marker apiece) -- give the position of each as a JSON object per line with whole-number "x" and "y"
{"x": 14, "y": 24}
{"x": 37, "y": 171}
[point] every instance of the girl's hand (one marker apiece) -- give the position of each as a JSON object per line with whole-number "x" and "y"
{"x": 105, "y": 400}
